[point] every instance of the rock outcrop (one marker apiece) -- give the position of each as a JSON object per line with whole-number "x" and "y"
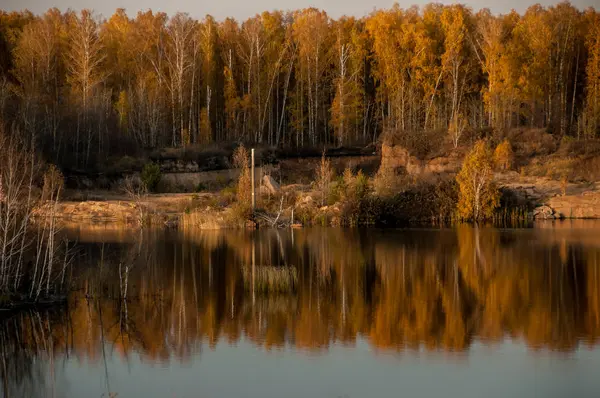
{"x": 584, "y": 205}
{"x": 553, "y": 199}
{"x": 394, "y": 157}
{"x": 543, "y": 213}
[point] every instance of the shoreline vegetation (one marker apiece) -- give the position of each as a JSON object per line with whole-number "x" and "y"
{"x": 391, "y": 194}
{"x": 390, "y": 187}
{"x": 34, "y": 261}
{"x": 387, "y": 197}
{"x": 421, "y": 116}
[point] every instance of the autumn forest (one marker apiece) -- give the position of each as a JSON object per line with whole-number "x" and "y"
{"x": 79, "y": 86}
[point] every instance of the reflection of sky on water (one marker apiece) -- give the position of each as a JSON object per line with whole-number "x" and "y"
{"x": 507, "y": 370}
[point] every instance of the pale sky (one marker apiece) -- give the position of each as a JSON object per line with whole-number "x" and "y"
{"x": 242, "y": 9}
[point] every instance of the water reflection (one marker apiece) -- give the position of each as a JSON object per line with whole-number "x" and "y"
{"x": 307, "y": 290}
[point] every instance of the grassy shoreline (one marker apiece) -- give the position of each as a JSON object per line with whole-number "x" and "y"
{"x": 421, "y": 205}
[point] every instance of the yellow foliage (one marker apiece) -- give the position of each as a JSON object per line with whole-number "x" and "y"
{"x": 205, "y": 127}
{"x": 123, "y": 108}
{"x": 240, "y": 161}
{"x": 357, "y": 186}
{"x": 590, "y": 118}
{"x": 324, "y": 176}
{"x": 478, "y": 195}
{"x": 185, "y": 137}
{"x": 503, "y": 156}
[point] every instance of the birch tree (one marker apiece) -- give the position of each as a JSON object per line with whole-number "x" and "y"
{"x": 180, "y": 31}
{"x": 347, "y": 105}
{"x": 312, "y": 32}
{"x": 85, "y": 73}
{"x": 39, "y": 70}
{"x": 479, "y": 196}
{"x": 455, "y": 63}
{"x": 590, "y": 119}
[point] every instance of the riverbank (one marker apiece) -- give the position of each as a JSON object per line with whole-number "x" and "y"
{"x": 399, "y": 182}
{"x": 544, "y": 198}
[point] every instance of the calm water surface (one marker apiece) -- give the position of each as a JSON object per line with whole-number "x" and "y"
{"x": 458, "y": 312}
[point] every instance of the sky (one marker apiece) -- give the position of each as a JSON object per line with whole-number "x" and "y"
{"x": 242, "y": 9}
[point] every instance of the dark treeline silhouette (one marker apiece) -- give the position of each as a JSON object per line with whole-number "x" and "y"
{"x": 83, "y": 87}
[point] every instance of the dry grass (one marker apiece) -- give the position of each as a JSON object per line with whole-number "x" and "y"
{"x": 565, "y": 163}
{"x": 588, "y": 168}
{"x": 270, "y": 279}
{"x": 204, "y": 219}
{"x": 554, "y": 168}
{"x": 540, "y": 154}
{"x": 529, "y": 143}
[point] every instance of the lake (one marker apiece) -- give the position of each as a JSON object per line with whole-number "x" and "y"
{"x": 460, "y": 312}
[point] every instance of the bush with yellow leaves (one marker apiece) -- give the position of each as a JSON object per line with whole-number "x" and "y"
{"x": 504, "y": 156}
{"x": 478, "y": 195}
{"x": 244, "y": 184}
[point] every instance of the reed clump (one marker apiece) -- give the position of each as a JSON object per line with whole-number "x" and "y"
{"x": 270, "y": 279}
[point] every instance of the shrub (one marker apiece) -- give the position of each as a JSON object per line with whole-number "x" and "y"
{"x": 151, "y": 176}
{"x": 53, "y": 183}
{"x": 361, "y": 187}
{"x": 239, "y": 214}
{"x": 353, "y": 194}
{"x": 244, "y": 184}
{"x": 504, "y": 156}
{"x": 385, "y": 182}
{"x": 423, "y": 203}
{"x": 324, "y": 175}
{"x": 337, "y": 191}
{"x": 478, "y": 195}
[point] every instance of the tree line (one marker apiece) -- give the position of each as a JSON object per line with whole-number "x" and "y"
{"x": 82, "y": 87}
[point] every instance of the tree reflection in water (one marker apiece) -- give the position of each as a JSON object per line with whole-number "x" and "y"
{"x": 163, "y": 296}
